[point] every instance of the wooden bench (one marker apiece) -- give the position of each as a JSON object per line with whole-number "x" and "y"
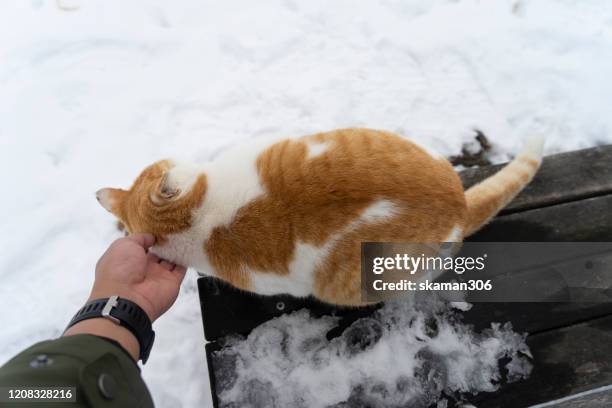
{"x": 569, "y": 200}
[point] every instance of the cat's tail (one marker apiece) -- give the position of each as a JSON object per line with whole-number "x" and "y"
{"x": 487, "y": 198}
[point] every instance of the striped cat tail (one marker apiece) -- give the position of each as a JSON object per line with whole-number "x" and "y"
{"x": 487, "y": 198}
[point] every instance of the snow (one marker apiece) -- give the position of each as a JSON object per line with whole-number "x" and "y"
{"x": 93, "y": 91}
{"x": 404, "y": 355}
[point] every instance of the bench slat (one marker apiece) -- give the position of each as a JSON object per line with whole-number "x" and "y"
{"x": 562, "y": 178}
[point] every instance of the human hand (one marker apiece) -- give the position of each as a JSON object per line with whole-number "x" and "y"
{"x": 127, "y": 269}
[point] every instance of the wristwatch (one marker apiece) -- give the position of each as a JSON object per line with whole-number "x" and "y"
{"x": 124, "y": 313}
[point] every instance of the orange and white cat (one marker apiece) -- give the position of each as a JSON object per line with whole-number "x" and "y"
{"x": 288, "y": 216}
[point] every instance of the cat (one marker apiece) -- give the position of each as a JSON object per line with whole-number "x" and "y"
{"x": 288, "y": 216}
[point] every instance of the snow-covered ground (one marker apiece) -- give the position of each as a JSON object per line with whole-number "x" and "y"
{"x": 93, "y": 90}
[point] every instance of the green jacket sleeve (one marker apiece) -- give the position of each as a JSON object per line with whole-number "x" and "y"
{"x": 101, "y": 372}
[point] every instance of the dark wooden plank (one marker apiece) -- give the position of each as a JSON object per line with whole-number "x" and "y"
{"x": 227, "y": 310}
{"x": 220, "y": 311}
{"x": 535, "y": 317}
{"x": 568, "y": 361}
{"x": 562, "y": 178}
{"x": 597, "y": 398}
{"x": 585, "y": 220}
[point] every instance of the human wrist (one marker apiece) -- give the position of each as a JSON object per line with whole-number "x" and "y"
{"x": 117, "y": 318}
{"x": 102, "y": 291}
{"x": 103, "y": 327}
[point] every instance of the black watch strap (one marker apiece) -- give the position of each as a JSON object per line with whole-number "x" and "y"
{"x": 124, "y": 313}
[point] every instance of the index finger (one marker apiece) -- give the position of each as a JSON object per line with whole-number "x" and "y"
{"x": 144, "y": 240}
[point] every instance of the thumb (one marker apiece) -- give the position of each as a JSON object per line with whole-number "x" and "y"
{"x": 144, "y": 240}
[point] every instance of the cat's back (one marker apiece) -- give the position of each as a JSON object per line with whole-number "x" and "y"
{"x": 343, "y": 167}
{"x": 355, "y": 164}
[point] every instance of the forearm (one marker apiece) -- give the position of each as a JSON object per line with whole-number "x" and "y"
{"x": 105, "y": 328}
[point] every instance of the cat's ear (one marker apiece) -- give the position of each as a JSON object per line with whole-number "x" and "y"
{"x": 109, "y": 197}
{"x": 166, "y": 190}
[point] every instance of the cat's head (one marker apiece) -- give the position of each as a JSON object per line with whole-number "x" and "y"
{"x": 160, "y": 201}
